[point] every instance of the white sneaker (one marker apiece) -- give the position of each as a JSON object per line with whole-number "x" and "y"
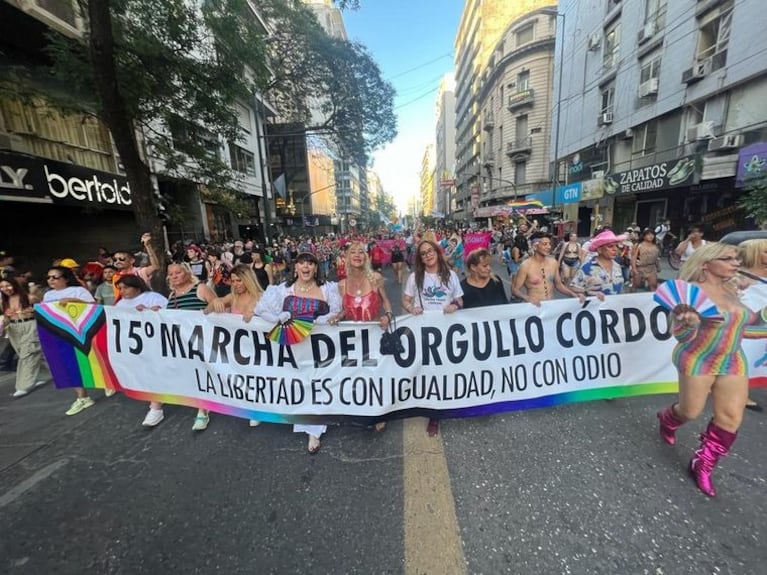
{"x": 109, "y": 392}
{"x": 19, "y": 393}
{"x": 40, "y": 383}
{"x": 79, "y": 404}
{"x": 254, "y": 423}
{"x": 201, "y": 423}
{"x": 153, "y": 417}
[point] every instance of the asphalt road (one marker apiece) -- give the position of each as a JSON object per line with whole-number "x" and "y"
{"x": 585, "y": 488}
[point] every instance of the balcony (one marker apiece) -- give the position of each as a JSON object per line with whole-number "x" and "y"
{"x": 489, "y": 121}
{"x": 520, "y": 99}
{"x": 521, "y": 148}
{"x": 489, "y": 160}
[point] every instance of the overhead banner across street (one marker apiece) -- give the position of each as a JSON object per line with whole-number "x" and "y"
{"x": 472, "y": 362}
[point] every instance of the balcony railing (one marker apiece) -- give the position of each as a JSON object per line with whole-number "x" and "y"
{"x": 520, "y": 146}
{"x": 520, "y": 99}
{"x": 489, "y": 121}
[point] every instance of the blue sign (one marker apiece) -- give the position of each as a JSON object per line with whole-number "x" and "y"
{"x": 569, "y": 194}
{"x": 544, "y": 196}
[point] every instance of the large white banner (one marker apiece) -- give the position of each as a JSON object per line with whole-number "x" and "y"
{"x": 471, "y": 362}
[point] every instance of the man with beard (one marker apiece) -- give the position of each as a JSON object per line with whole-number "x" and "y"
{"x": 124, "y": 263}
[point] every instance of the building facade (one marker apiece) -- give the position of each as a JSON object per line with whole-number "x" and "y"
{"x": 657, "y": 104}
{"x": 444, "y": 149}
{"x": 482, "y": 24}
{"x": 515, "y": 104}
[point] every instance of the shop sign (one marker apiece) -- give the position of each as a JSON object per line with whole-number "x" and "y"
{"x": 33, "y": 179}
{"x": 671, "y": 174}
{"x": 569, "y": 194}
{"x": 752, "y": 164}
{"x": 592, "y": 189}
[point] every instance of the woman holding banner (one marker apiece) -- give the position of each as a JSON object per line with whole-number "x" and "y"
{"x": 65, "y": 288}
{"x": 189, "y": 293}
{"x": 363, "y": 294}
{"x": 433, "y": 286}
{"x": 242, "y": 300}
{"x": 710, "y": 360}
{"x": 482, "y": 287}
{"x": 752, "y": 281}
{"x": 306, "y": 293}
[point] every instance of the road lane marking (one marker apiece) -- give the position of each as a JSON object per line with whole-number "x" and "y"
{"x": 18, "y": 490}
{"x": 432, "y": 538}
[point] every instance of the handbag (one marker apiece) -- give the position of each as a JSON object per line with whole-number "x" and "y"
{"x": 390, "y": 340}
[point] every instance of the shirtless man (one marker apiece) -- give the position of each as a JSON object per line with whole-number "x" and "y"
{"x": 539, "y": 274}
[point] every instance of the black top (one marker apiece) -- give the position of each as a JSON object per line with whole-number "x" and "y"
{"x": 262, "y": 276}
{"x": 492, "y": 294}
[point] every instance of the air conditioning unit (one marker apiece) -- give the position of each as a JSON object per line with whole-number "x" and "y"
{"x": 606, "y": 118}
{"x": 726, "y": 142}
{"x": 627, "y": 134}
{"x": 596, "y": 174}
{"x": 647, "y": 32}
{"x": 702, "y": 131}
{"x": 594, "y": 41}
{"x": 648, "y": 88}
{"x": 697, "y": 72}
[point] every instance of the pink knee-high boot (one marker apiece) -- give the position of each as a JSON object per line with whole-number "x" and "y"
{"x": 715, "y": 442}
{"x": 669, "y": 423}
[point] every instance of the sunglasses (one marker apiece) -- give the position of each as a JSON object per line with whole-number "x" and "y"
{"x": 53, "y": 277}
{"x": 120, "y": 259}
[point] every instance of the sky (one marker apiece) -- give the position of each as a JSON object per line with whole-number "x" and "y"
{"x": 413, "y": 43}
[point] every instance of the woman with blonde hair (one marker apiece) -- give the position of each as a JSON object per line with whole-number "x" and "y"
{"x": 363, "y": 294}
{"x": 710, "y": 360}
{"x": 752, "y": 272}
{"x": 482, "y": 287}
{"x": 189, "y": 293}
{"x": 242, "y": 300}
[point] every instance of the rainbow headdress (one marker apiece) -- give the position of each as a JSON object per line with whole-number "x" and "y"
{"x": 73, "y": 336}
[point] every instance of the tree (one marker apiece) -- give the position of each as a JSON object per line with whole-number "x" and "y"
{"x": 754, "y": 199}
{"x": 174, "y": 70}
{"x": 158, "y": 64}
{"x": 314, "y": 71}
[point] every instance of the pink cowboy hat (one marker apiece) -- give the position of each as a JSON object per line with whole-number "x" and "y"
{"x": 605, "y": 238}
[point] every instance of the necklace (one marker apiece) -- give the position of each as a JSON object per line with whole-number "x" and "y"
{"x": 303, "y": 288}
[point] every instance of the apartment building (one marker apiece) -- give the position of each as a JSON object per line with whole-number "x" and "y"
{"x": 515, "y": 103}
{"x": 659, "y": 110}
{"x": 444, "y": 149}
{"x": 482, "y": 24}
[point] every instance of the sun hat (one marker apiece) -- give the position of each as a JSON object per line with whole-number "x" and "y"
{"x": 605, "y": 238}
{"x": 69, "y": 263}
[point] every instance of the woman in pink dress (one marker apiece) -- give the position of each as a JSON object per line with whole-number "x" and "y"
{"x": 363, "y": 294}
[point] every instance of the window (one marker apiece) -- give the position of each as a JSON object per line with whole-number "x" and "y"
{"x": 655, "y": 12}
{"x": 644, "y": 138}
{"x": 523, "y": 81}
{"x": 243, "y": 115}
{"x": 608, "y": 98}
{"x": 520, "y": 173}
{"x": 522, "y": 131}
{"x": 242, "y": 160}
{"x": 715, "y": 33}
{"x": 189, "y": 137}
{"x": 612, "y": 46}
{"x": 650, "y": 69}
{"x": 525, "y": 34}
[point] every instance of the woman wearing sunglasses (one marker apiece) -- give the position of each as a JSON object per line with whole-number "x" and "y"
{"x": 65, "y": 288}
{"x": 710, "y": 359}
